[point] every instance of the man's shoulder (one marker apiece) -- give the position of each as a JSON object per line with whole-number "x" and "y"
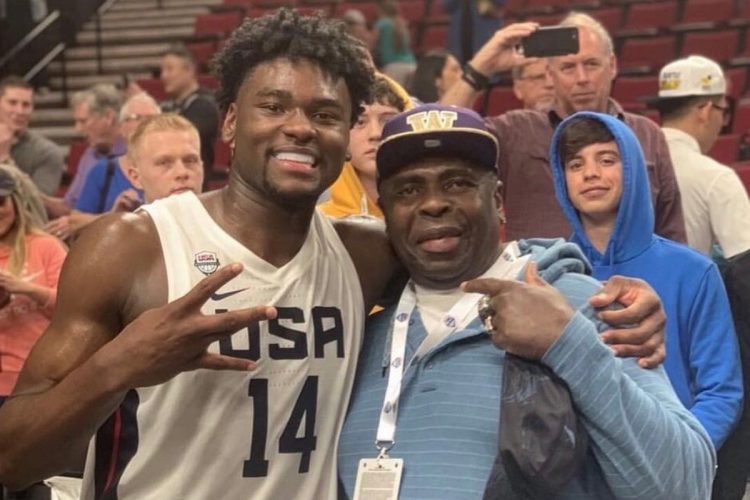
{"x": 38, "y": 144}
{"x": 683, "y": 257}
{"x": 641, "y": 125}
{"x": 203, "y": 97}
{"x": 523, "y": 117}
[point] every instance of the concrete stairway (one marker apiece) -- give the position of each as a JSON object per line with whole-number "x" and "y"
{"x": 133, "y": 33}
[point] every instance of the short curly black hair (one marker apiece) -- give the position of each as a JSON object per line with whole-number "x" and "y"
{"x": 290, "y": 35}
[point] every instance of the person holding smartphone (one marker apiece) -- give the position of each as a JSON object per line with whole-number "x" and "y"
{"x": 583, "y": 82}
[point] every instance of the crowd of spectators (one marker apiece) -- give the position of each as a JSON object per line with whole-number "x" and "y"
{"x": 663, "y": 216}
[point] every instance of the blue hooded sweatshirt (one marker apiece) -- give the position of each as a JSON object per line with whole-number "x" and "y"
{"x": 702, "y": 354}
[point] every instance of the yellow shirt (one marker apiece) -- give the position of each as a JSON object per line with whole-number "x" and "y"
{"x": 348, "y": 196}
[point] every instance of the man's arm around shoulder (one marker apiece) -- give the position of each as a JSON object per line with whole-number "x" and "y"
{"x": 373, "y": 257}
{"x": 647, "y": 443}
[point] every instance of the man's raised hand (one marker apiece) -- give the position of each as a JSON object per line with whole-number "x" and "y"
{"x": 174, "y": 338}
{"x": 528, "y": 317}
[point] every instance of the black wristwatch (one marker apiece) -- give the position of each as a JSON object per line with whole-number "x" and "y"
{"x": 473, "y": 77}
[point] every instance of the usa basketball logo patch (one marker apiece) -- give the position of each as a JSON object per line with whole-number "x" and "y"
{"x": 206, "y": 262}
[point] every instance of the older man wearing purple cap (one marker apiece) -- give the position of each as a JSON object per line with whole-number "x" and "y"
{"x": 428, "y": 383}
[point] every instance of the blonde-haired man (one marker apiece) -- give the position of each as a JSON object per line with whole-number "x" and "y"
{"x": 164, "y": 157}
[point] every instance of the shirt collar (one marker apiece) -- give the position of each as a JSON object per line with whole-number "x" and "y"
{"x": 673, "y": 134}
{"x": 613, "y": 108}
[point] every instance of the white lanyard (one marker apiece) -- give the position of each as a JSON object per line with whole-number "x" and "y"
{"x": 508, "y": 266}
{"x": 406, "y": 305}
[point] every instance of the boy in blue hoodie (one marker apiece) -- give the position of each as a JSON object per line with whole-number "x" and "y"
{"x": 601, "y": 182}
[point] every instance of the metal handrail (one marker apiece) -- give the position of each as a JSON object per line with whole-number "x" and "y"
{"x": 30, "y": 36}
{"x": 51, "y": 55}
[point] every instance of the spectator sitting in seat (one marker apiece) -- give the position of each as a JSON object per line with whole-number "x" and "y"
{"x": 355, "y": 191}
{"x": 189, "y": 99}
{"x": 164, "y": 157}
{"x": 35, "y": 155}
{"x": 533, "y": 86}
{"x": 95, "y": 111}
{"x": 436, "y": 72}
{"x": 30, "y": 263}
{"x": 107, "y": 187}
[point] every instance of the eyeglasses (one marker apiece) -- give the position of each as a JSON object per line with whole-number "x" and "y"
{"x": 725, "y": 112}
{"x": 132, "y": 117}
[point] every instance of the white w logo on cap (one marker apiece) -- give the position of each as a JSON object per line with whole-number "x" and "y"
{"x": 432, "y": 120}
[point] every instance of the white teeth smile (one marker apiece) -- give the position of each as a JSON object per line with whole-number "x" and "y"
{"x": 295, "y": 157}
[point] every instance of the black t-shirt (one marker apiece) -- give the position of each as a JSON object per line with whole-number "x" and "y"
{"x": 201, "y": 110}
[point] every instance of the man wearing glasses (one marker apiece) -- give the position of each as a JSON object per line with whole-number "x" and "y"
{"x": 694, "y": 108}
{"x": 533, "y": 85}
{"x": 108, "y": 187}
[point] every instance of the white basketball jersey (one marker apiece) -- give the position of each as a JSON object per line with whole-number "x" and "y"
{"x": 267, "y": 434}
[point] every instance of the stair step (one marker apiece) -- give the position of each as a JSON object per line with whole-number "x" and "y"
{"x": 51, "y": 117}
{"x": 109, "y": 65}
{"x": 59, "y": 134}
{"x": 48, "y": 99}
{"x": 137, "y": 35}
{"x": 155, "y": 13}
{"x": 110, "y": 51}
{"x": 147, "y": 22}
{"x": 79, "y": 82}
{"x": 141, "y": 5}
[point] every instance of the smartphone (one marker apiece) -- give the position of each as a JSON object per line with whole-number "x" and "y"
{"x": 550, "y": 41}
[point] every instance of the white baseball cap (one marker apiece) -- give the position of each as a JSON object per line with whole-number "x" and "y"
{"x": 691, "y": 76}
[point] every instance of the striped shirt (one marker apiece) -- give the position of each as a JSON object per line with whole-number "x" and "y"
{"x": 643, "y": 442}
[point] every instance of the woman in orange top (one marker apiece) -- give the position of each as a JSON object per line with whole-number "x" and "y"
{"x": 30, "y": 262}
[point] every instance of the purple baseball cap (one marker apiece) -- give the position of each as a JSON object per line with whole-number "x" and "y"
{"x": 435, "y": 130}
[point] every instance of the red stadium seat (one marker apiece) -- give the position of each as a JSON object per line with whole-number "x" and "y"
{"x": 546, "y": 19}
{"x": 438, "y": 14}
{"x": 651, "y": 15}
{"x": 630, "y": 90}
{"x": 610, "y": 17}
{"x": 412, "y": 10}
{"x": 741, "y": 123}
{"x": 718, "y": 45}
{"x": 202, "y": 52}
{"x": 512, "y": 7}
{"x": 653, "y": 52}
{"x": 743, "y": 172}
{"x": 737, "y": 81}
{"x": 726, "y": 148}
{"x": 221, "y": 23}
{"x": 501, "y": 99}
{"x": 435, "y": 36}
{"x": 653, "y": 115}
{"x": 546, "y": 5}
{"x": 222, "y": 156}
{"x": 75, "y": 153}
{"x": 208, "y": 81}
{"x": 708, "y": 10}
{"x": 153, "y": 87}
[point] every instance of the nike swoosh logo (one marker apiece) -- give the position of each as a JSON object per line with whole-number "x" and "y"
{"x": 221, "y": 296}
